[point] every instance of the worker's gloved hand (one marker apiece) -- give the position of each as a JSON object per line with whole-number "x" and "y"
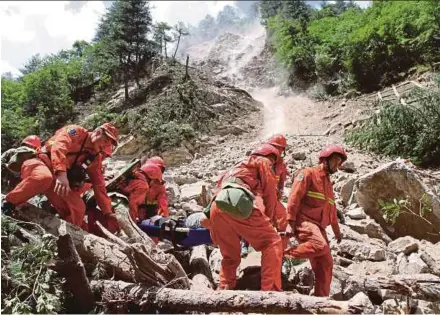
{"x": 7, "y": 207}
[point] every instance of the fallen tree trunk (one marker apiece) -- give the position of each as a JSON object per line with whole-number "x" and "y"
{"x": 72, "y": 269}
{"x": 138, "y": 262}
{"x": 91, "y": 248}
{"x": 176, "y": 300}
{"x": 419, "y": 286}
{"x": 200, "y": 270}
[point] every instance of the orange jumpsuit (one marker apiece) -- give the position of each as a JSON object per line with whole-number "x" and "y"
{"x": 226, "y": 231}
{"x": 157, "y": 196}
{"x": 281, "y": 213}
{"x": 311, "y": 205}
{"x": 136, "y": 190}
{"x": 62, "y": 149}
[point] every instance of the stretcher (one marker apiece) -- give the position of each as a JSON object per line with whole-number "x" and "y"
{"x": 181, "y": 237}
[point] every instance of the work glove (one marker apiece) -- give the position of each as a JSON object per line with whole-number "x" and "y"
{"x": 7, "y": 207}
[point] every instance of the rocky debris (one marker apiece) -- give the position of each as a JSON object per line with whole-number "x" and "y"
{"x": 362, "y": 251}
{"x": 356, "y": 214}
{"x": 405, "y": 245}
{"x": 348, "y": 167}
{"x": 361, "y": 300}
{"x": 368, "y": 227}
{"x": 412, "y": 264}
{"x": 397, "y": 180}
{"x": 191, "y": 206}
{"x": 346, "y": 191}
{"x": 300, "y": 155}
{"x": 430, "y": 253}
{"x": 215, "y": 260}
{"x": 363, "y": 268}
{"x": 191, "y": 191}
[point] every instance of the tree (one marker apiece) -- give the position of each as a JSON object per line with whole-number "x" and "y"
{"x": 208, "y": 27}
{"x": 269, "y": 8}
{"x": 124, "y": 33}
{"x": 180, "y": 30}
{"x": 227, "y": 17}
{"x": 296, "y": 10}
{"x": 162, "y": 37}
{"x": 33, "y": 64}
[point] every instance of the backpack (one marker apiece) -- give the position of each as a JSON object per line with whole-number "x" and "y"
{"x": 235, "y": 200}
{"x": 20, "y": 155}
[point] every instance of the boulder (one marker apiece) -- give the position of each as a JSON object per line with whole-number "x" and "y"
{"x": 379, "y": 268}
{"x": 215, "y": 263}
{"x": 176, "y": 156}
{"x": 397, "y": 180}
{"x": 368, "y": 227}
{"x": 173, "y": 192}
{"x": 405, "y": 245}
{"x": 191, "y": 191}
{"x": 362, "y": 251}
{"x": 356, "y": 214}
{"x": 411, "y": 265}
{"x": 346, "y": 191}
{"x": 363, "y": 302}
{"x": 348, "y": 167}
{"x": 430, "y": 254}
{"x": 300, "y": 155}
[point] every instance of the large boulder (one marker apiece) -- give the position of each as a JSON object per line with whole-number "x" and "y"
{"x": 368, "y": 227}
{"x": 397, "y": 180}
{"x": 362, "y": 251}
{"x": 411, "y": 265}
{"x": 405, "y": 245}
{"x": 191, "y": 191}
{"x": 430, "y": 254}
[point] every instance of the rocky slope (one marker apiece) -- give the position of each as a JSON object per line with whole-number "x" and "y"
{"x": 374, "y": 250}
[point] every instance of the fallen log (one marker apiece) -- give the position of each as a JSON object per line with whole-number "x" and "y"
{"x": 419, "y": 286}
{"x": 199, "y": 267}
{"x": 72, "y": 269}
{"x": 93, "y": 249}
{"x": 268, "y": 302}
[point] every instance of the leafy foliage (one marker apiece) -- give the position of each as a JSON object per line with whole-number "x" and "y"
{"x": 33, "y": 288}
{"x": 409, "y": 131}
{"x": 370, "y": 48}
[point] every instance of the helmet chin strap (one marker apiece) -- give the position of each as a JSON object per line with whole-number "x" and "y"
{"x": 327, "y": 167}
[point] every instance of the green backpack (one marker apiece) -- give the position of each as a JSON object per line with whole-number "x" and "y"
{"x": 20, "y": 155}
{"x": 235, "y": 200}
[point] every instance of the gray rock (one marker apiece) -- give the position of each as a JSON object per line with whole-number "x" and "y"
{"x": 370, "y": 228}
{"x": 173, "y": 193}
{"x": 356, "y": 214}
{"x": 215, "y": 263}
{"x": 406, "y": 245}
{"x": 191, "y": 191}
{"x": 299, "y": 155}
{"x": 346, "y": 191}
{"x": 379, "y": 268}
{"x": 348, "y": 167}
{"x": 411, "y": 265}
{"x": 397, "y": 180}
{"x": 430, "y": 254}
{"x": 362, "y": 302}
{"x": 336, "y": 290}
{"x": 362, "y": 251}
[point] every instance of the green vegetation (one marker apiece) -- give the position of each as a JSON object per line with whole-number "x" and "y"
{"x": 44, "y": 98}
{"x": 343, "y": 46}
{"x": 409, "y": 131}
{"x": 28, "y": 286}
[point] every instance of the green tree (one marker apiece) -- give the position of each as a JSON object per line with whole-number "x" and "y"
{"x": 227, "y": 17}
{"x": 180, "y": 30}
{"x": 208, "y": 27}
{"x": 162, "y": 37}
{"x": 124, "y": 33}
{"x": 269, "y": 9}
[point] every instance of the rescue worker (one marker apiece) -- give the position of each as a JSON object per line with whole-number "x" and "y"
{"x": 311, "y": 208}
{"x": 10, "y": 174}
{"x": 255, "y": 175}
{"x": 137, "y": 188}
{"x": 280, "y": 168}
{"x": 157, "y": 198}
{"x": 72, "y": 150}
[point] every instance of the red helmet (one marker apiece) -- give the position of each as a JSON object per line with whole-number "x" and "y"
{"x": 33, "y": 141}
{"x": 157, "y": 160}
{"x": 111, "y": 131}
{"x": 278, "y": 140}
{"x": 153, "y": 171}
{"x": 330, "y": 149}
{"x": 266, "y": 149}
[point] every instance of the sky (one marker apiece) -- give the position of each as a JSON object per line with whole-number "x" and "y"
{"x": 45, "y": 27}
